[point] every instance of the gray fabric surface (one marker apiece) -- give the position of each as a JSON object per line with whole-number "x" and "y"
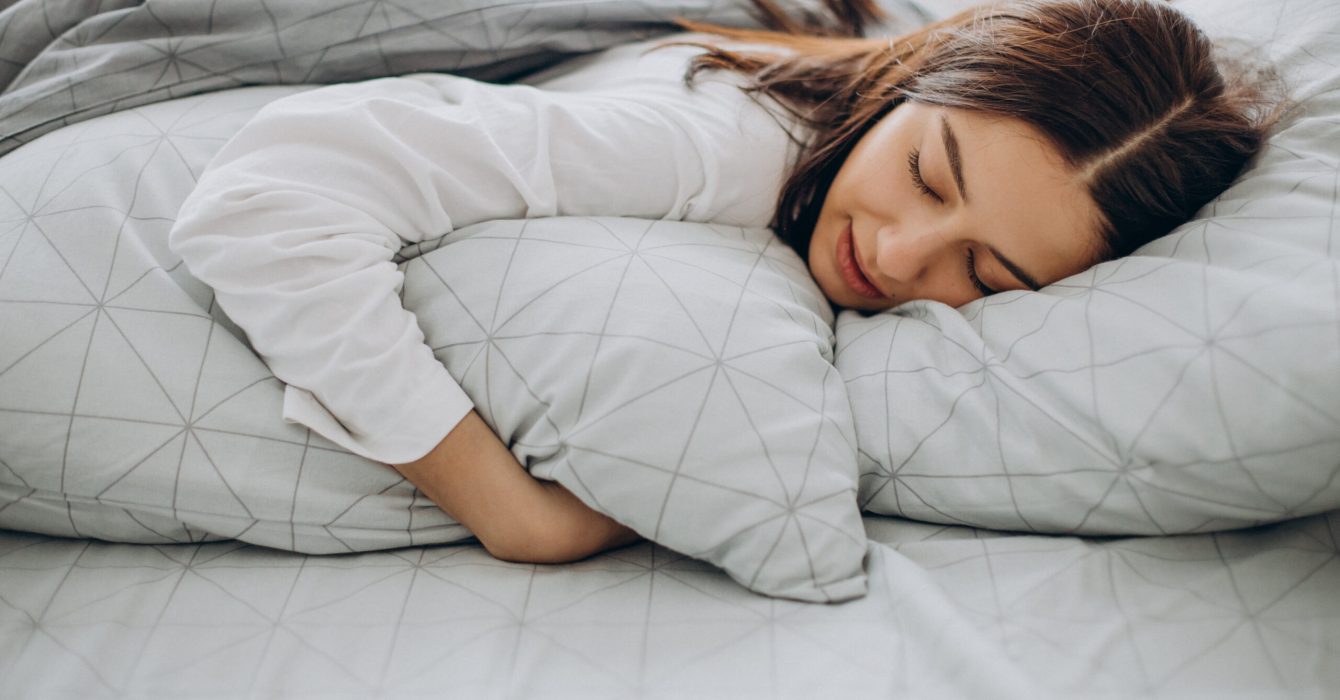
{"x": 952, "y": 613}
{"x": 676, "y": 376}
{"x": 63, "y": 62}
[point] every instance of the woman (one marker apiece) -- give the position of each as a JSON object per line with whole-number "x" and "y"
{"x": 1002, "y": 149}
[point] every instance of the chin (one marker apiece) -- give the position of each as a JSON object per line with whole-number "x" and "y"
{"x": 846, "y": 299}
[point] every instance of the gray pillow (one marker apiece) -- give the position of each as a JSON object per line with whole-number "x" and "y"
{"x": 675, "y": 376}
{"x": 1191, "y": 387}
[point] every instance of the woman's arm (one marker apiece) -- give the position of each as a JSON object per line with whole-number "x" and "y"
{"x": 297, "y": 219}
{"x": 475, "y": 479}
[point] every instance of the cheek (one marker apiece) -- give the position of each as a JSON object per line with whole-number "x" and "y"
{"x": 874, "y": 184}
{"x": 814, "y": 253}
{"x": 877, "y": 194}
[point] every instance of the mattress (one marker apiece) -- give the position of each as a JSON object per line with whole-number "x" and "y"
{"x": 952, "y": 612}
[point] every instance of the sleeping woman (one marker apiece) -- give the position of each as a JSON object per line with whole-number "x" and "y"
{"x": 1003, "y": 149}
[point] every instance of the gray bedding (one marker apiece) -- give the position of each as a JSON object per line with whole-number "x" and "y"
{"x": 64, "y": 62}
{"x": 952, "y": 611}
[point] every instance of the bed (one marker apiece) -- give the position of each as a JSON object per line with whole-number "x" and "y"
{"x": 1166, "y": 526}
{"x": 952, "y": 612}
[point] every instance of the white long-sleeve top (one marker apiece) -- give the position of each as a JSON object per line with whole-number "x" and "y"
{"x": 296, "y": 220}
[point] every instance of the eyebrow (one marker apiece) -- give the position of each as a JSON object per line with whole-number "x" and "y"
{"x": 1014, "y": 269}
{"x": 955, "y": 161}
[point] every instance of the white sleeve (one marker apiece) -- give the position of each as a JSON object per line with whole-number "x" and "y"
{"x": 296, "y": 220}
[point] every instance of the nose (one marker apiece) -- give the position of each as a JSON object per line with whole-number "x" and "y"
{"x": 907, "y": 254}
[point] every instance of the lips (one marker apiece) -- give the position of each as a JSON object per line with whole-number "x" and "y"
{"x": 850, "y": 268}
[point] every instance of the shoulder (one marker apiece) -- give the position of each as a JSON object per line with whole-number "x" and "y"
{"x": 652, "y": 73}
{"x": 649, "y": 69}
{"x": 649, "y": 63}
{"x": 649, "y": 72}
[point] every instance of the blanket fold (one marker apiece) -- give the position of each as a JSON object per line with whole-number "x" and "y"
{"x": 62, "y": 63}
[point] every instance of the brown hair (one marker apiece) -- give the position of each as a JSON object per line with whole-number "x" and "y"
{"x": 1128, "y": 91}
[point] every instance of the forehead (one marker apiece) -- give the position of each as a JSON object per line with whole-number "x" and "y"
{"x": 1022, "y": 196}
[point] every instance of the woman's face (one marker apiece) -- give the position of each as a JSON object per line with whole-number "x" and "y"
{"x": 950, "y": 205}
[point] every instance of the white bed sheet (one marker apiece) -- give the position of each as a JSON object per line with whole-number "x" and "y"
{"x": 952, "y": 612}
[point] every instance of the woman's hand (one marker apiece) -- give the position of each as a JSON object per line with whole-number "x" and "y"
{"x": 474, "y": 477}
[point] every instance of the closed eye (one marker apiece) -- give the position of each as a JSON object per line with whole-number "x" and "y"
{"x": 977, "y": 281}
{"x": 914, "y": 167}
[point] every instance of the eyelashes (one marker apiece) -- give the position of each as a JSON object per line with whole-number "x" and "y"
{"x": 914, "y": 167}
{"x": 972, "y": 275}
